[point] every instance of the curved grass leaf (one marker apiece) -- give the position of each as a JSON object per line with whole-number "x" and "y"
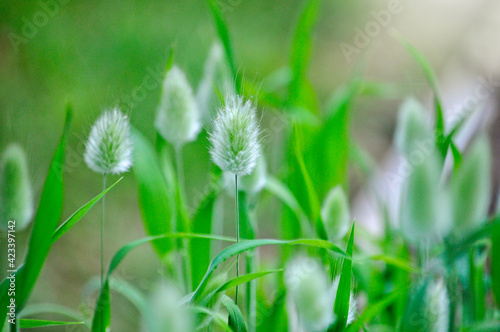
{"x": 154, "y": 199}
{"x": 49, "y": 308}
{"x": 236, "y": 282}
{"x": 236, "y": 321}
{"x": 45, "y": 222}
{"x": 245, "y": 245}
{"x": 30, "y": 323}
{"x": 102, "y": 313}
{"x": 75, "y": 217}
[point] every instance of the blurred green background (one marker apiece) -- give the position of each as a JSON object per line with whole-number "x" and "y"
{"x": 95, "y": 54}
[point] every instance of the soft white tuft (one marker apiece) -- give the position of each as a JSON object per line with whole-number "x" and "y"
{"x": 437, "y": 306}
{"x": 235, "y": 137}
{"x": 109, "y": 147}
{"x": 308, "y": 287}
{"x": 178, "y": 119}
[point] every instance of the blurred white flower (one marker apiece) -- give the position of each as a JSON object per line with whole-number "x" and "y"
{"x": 177, "y": 119}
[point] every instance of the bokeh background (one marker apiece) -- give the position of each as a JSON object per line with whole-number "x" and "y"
{"x": 95, "y": 54}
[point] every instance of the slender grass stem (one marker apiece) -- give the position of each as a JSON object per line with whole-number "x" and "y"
{"x": 237, "y": 232}
{"x": 102, "y": 230}
{"x": 183, "y": 244}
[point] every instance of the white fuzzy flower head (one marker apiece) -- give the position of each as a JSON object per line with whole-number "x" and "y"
{"x": 109, "y": 147}
{"x": 309, "y": 289}
{"x": 235, "y": 137}
{"x": 178, "y": 119}
{"x": 437, "y": 306}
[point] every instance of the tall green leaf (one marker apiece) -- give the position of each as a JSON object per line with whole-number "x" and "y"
{"x": 223, "y": 32}
{"x": 299, "y": 93}
{"x": 236, "y": 320}
{"x": 45, "y": 223}
{"x": 245, "y": 245}
{"x": 341, "y": 307}
{"x": 154, "y": 199}
{"x": 75, "y": 217}
{"x": 200, "y": 248}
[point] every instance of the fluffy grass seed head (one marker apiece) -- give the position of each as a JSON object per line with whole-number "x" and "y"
{"x": 178, "y": 119}
{"x": 168, "y": 313}
{"x": 309, "y": 289}
{"x": 216, "y": 79}
{"x": 16, "y": 196}
{"x": 109, "y": 147}
{"x": 437, "y": 306}
{"x": 235, "y": 137}
{"x": 335, "y": 214}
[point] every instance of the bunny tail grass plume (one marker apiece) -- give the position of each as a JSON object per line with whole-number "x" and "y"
{"x": 16, "y": 197}
{"x": 168, "y": 313}
{"x": 413, "y": 133}
{"x": 428, "y": 308}
{"x": 109, "y": 147}
{"x": 335, "y": 214}
{"x": 471, "y": 188}
{"x": 177, "y": 120}
{"x": 216, "y": 78}
{"x": 309, "y": 291}
{"x": 426, "y": 210}
{"x": 235, "y": 137}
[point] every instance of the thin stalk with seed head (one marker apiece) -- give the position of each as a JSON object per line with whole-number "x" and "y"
{"x": 102, "y": 229}
{"x": 237, "y": 232}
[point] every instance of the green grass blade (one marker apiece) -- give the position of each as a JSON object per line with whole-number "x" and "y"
{"x": 300, "y": 55}
{"x": 245, "y": 245}
{"x": 223, "y": 32}
{"x": 75, "y": 217}
{"x": 154, "y": 199}
{"x": 30, "y": 323}
{"x": 341, "y": 307}
{"x": 200, "y": 248}
{"x": 236, "y": 320}
{"x": 236, "y": 282}
{"x": 49, "y": 308}
{"x": 45, "y": 222}
{"x": 495, "y": 262}
{"x": 313, "y": 200}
